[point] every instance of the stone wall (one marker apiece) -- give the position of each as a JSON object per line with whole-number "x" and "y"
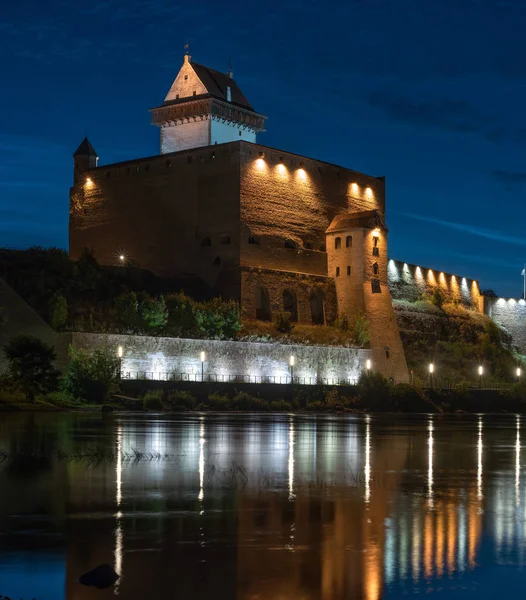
{"x": 412, "y": 282}
{"x": 510, "y": 313}
{"x": 161, "y": 357}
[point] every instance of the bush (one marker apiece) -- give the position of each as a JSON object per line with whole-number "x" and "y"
{"x": 218, "y": 401}
{"x": 60, "y": 399}
{"x": 92, "y": 377}
{"x": 244, "y": 401}
{"x": 280, "y": 405}
{"x": 31, "y": 365}
{"x": 437, "y": 297}
{"x": 408, "y": 398}
{"x": 217, "y": 319}
{"x": 282, "y": 322}
{"x": 362, "y": 330}
{"x": 180, "y": 400}
{"x": 374, "y": 389}
{"x": 127, "y": 307}
{"x": 153, "y": 400}
{"x": 58, "y": 311}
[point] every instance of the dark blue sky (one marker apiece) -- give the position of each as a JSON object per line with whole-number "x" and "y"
{"x": 429, "y": 93}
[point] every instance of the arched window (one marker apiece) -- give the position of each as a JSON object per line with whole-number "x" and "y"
{"x": 375, "y": 268}
{"x": 262, "y": 303}
{"x": 290, "y": 304}
{"x": 337, "y": 243}
{"x": 348, "y": 241}
{"x": 317, "y": 309}
{"x": 206, "y": 242}
{"x": 290, "y": 244}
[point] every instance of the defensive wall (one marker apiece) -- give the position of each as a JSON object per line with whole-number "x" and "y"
{"x": 509, "y": 313}
{"x": 161, "y": 358}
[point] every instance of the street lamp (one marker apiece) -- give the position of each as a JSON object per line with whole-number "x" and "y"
{"x": 119, "y": 354}
{"x": 368, "y": 364}
{"x": 481, "y": 372}
{"x": 203, "y": 358}
{"x": 519, "y": 373}
{"x": 431, "y": 371}
{"x": 292, "y": 360}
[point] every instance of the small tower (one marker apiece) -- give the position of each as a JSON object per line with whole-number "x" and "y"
{"x": 85, "y": 158}
{"x": 357, "y": 259}
{"x": 204, "y": 107}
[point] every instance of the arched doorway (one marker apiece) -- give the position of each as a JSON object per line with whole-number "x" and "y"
{"x": 290, "y": 304}
{"x": 317, "y": 308}
{"x": 262, "y": 304}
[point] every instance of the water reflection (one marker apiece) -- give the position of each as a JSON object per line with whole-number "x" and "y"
{"x": 264, "y": 507}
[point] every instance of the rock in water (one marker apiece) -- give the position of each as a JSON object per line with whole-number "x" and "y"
{"x": 101, "y": 577}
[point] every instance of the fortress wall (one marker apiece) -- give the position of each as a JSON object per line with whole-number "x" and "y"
{"x": 288, "y": 197}
{"x": 276, "y": 282}
{"x": 510, "y": 313}
{"x": 164, "y": 356}
{"x": 411, "y": 282}
{"x": 157, "y": 211}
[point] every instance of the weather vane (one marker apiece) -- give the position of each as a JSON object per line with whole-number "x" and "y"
{"x": 187, "y": 47}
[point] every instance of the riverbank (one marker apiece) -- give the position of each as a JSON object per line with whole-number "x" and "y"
{"x": 370, "y": 396}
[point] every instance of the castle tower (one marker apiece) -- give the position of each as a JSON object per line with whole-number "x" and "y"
{"x": 204, "y": 107}
{"x": 85, "y": 158}
{"x": 357, "y": 259}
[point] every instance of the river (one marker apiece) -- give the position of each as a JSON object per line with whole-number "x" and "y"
{"x": 262, "y": 506}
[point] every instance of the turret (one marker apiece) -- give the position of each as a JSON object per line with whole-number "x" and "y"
{"x": 85, "y": 158}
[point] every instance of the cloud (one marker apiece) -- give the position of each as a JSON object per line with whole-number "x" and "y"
{"x": 453, "y": 115}
{"x": 470, "y": 229}
{"x": 509, "y": 177}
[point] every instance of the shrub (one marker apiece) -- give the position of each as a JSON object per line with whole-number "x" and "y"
{"x": 437, "y": 297}
{"x": 31, "y": 365}
{"x": 218, "y": 401}
{"x": 153, "y": 400}
{"x": 408, "y": 398}
{"x": 283, "y": 322}
{"x": 59, "y": 398}
{"x": 180, "y": 400}
{"x": 181, "y": 314}
{"x": 92, "y": 377}
{"x": 373, "y": 389}
{"x": 58, "y": 311}
{"x": 280, "y": 405}
{"x": 362, "y": 330}
{"x": 217, "y": 318}
{"x": 244, "y": 401}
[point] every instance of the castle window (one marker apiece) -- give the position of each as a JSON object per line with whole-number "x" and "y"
{"x": 189, "y": 159}
{"x": 128, "y": 171}
{"x": 177, "y": 96}
{"x": 338, "y": 243}
{"x": 317, "y": 308}
{"x": 375, "y": 268}
{"x": 186, "y": 77}
{"x": 240, "y": 133}
{"x": 375, "y": 241}
{"x": 337, "y": 271}
{"x": 168, "y": 164}
{"x": 375, "y": 286}
{"x": 146, "y": 167}
{"x": 194, "y": 93}
{"x": 322, "y": 247}
{"x": 348, "y": 270}
{"x": 387, "y": 352}
{"x": 376, "y": 251}
{"x": 252, "y": 239}
{"x": 217, "y": 261}
{"x": 262, "y": 303}
{"x": 308, "y": 245}
{"x": 348, "y": 241}
{"x": 290, "y": 304}
{"x": 290, "y": 244}
{"x": 108, "y": 173}
{"x": 206, "y": 242}
{"x": 225, "y": 239}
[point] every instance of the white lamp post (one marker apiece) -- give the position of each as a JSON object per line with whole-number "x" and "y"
{"x": 481, "y": 372}
{"x": 203, "y": 358}
{"x": 431, "y": 371}
{"x": 292, "y": 360}
{"x": 368, "y": 364}
{"x": 120, "y": 352}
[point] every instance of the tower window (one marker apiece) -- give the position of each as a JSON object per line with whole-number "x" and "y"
{"x": 206, "y": 242}
{"x": 337, "y": 271}
{"x": 189, "y": 159}
{"x": 290, "y": 244}
{"x": 194, "y": 93}
{"x": 217, "y": 261}
{"x": 375, "y": 286}
{"x": 252, "y": 239}
{"x": 376, "y": 251}
{"x": 322, "y": 247}
{"x": 168, "y": 164}
{"x": 338, "y": 243}
{"x": 348, "y": 241}
{"x": 146, "y": 167}
{"x": 348, "y": 270}
{"x": 186, "y": 77}
{"x": 177, "y": 96}
{"x": 375, "y": 268}
{"x": 225, "y": 239}
{"x": 308, "y": 245}
{"x": 240, "y": 133}
{"x": 375, "y": 241}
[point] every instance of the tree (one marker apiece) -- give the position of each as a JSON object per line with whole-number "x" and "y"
{"x": 362, "y": 329}
{"x": 58, "y": 311}
{"x": 127, "y": 307}
{"x": 153, "y": 312}
{"x": 92, "y": 376}
{"x": 31, "y": 365}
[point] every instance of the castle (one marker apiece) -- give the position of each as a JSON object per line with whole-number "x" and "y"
{"x": 273, "y": 230}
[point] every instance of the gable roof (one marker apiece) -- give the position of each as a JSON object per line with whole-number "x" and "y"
{"x": 216, "y": 84}
{"x": 85, "y": 149}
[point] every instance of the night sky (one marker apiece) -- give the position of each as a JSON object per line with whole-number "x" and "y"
{"x": 429, "y": 93}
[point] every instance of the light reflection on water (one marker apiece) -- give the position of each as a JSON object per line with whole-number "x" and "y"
{"x": 262, "y": 506}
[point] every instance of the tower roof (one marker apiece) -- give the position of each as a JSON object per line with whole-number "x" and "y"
{"x": 216, "y": 84}
{"x": 85, "y": 149}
